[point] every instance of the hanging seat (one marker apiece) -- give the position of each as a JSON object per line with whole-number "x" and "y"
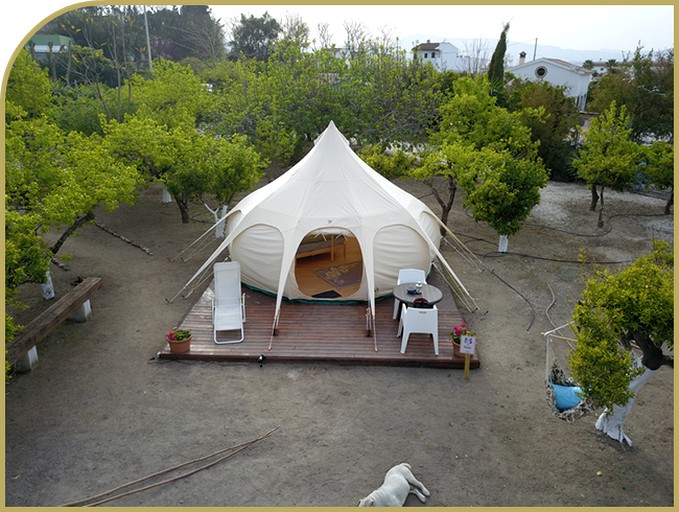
{"x": 563, "y": 393}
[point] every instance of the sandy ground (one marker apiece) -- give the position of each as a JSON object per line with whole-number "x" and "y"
{"x": 100, "y": 411}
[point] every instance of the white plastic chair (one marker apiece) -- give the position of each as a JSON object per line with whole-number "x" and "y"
{"x": 228, "y": 305}
{"x": 408, "y": 275}
{"x": 420, "y": 320}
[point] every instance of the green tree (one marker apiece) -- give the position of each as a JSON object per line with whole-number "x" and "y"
{"x": 644, "y": 84}
{"x": 634, "y": 305}
{"x": 117, "y": 35}
{"x": 391, "y": 163}
{"x": 174, "y": 96}
{"x": 388, "y": 98}
{"x": 204, "y": 165}
{"x": 253, "y": 37}
{"x": 608, "y": 157}
{"x": 441, "y": 170}
{"x": 54, "y": 182}
{"x": 659, "y": 160}
{"x": 554, "y": 130}
{"x": 502, "y": 189}
{"x": 496, "y": 68}
{"x": 62, "y": 178}
{"x": 295, "y": 31}
{"x": 489, "y": 152}
{"x": 237, "y": 92}
{"x": 196, "y": 34}
{"x": 28, "y": 101}
{"x": 29, "y": 91}
{"x": 190, "y": 164}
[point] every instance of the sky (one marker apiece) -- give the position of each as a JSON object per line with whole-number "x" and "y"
{"x": 579, "y": 27}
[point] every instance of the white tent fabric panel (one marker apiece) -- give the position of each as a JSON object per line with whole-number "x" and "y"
{"x": 432, "y": 227}
{"x": 259, "y": 249}
{"x": 398, "y": 247}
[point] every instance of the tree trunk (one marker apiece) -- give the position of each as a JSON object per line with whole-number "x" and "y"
{"x": 446, "y": 205}
{"x": 78, "y": 222}
{"x": 503, "y": 243}
{"x": 48, "y": 287}
{"x": 670, "y": 202}
{"x": 219, "y": 216}
{"x": 600, "y": 221}
{"x": 166, "y": 197}
{"x": 652, "y": 355}
{"x": 184, "y": 210}
{"x": 595, "y": 199}
{"x": 612, "y": 422}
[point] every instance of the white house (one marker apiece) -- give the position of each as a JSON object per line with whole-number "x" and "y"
{"x": 575, "y": 79}
{"x": 443, "y": 56}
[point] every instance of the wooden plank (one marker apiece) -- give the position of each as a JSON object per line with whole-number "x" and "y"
{"x": 321, "y": 332}
{"x": 48, "y": 321}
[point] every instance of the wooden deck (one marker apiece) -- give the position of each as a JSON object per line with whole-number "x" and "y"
{"x": 326, "y": 332}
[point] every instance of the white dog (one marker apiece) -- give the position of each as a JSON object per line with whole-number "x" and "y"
{"x": 398, "y": 483}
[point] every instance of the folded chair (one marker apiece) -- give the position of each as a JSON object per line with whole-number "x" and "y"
{"x": 228, "y": 305}
{"x": 408, "y": 275}
{"x": 419, "y": 320}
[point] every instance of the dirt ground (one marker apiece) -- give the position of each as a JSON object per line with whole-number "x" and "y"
{"x": 100, "y": 411}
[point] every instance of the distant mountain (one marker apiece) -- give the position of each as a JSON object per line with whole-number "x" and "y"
{"x": 513, "y": 49}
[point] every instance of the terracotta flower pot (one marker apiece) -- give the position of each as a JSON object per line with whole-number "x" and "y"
{"x": 180, "y": 346}
{"x": 456, "y": 349}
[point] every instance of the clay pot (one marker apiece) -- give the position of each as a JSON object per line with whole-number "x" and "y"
{"x": 179, "y": 347}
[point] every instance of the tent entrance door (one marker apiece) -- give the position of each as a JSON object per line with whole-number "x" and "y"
{"x": 333, "y": 274}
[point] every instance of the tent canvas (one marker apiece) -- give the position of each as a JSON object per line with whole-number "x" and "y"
{"x": 330, "y": 191}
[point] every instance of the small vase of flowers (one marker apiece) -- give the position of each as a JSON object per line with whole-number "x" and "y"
{"x": 456, "y": 335}
{"x": 179, "y": 340}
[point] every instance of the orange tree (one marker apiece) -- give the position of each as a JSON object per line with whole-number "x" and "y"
{"x": 618, "y": 310}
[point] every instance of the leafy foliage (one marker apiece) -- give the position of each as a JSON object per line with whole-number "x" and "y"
{"x": 636, "y": 303}
{"x": 608, "y": 157}
{"x": 392, "y": 164}
{"x": 173, "y": 96}
{"x": 658, "y": 159}
{"x": 554, "y": 129}
{"x": 254, "y": 37}
{"x": 502, "y": 190}
{"x": 110, "y": 41}
{"x": 29, "y": 91}
{"x": 496, "y": 68}
{"x": 489, "y": 152}
{"x": 644, "y": 84}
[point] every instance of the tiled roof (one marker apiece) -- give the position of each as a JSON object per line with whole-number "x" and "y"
{"x": 426, "y": 47}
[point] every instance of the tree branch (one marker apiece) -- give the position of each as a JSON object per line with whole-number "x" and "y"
{"x": 71, "y": 229}
{"x": 653, "y": 356}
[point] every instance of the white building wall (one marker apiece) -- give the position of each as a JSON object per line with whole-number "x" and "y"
{"x": 576, "y": 83}
{"x": 444, "y": 58}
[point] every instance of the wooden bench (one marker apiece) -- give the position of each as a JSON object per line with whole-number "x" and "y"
{"x": 75, "y": 305}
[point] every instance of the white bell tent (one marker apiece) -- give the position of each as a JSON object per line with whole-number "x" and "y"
{"x": 330, "y": 192}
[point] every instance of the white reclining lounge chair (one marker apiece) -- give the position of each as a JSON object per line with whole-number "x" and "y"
{"x": 228, "y": 305}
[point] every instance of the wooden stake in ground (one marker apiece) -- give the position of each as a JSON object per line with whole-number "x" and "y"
{"x": 467, "y": 347}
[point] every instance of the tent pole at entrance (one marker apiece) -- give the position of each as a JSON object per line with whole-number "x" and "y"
{"x": 273, "y": 329}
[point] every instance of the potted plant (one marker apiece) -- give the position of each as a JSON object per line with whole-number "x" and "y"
{"x": 179, "y": 340}
{"x": 456, "y": 335}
